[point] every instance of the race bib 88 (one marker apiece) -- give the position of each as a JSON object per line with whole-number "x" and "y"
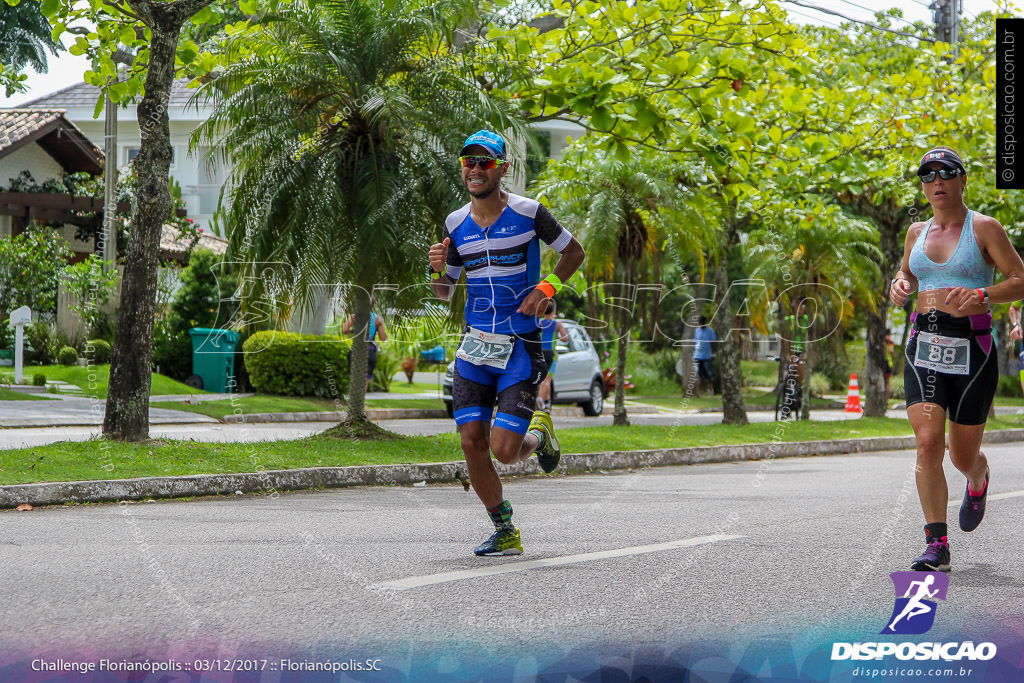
{"x": 948, "y": 355}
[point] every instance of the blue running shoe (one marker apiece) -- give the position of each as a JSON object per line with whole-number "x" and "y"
{"x": 501, "y": 542}
{"x": 934, "y": 559}
{"x": 972, "y": 510}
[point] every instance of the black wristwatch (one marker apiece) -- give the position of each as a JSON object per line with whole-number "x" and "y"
{"x": 984, "y": 295}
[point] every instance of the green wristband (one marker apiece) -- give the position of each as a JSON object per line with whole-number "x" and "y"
{"x": 555, "y": 281}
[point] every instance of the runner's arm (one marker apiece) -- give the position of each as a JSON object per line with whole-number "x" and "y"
{"x": 994, "y": 242}
{"x": 570, "y": 258}
{"x": 445, "y": 252}
{"x": 904, "y": 282}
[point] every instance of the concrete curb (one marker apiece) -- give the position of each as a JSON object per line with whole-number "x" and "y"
{"x": 437, "y": 473}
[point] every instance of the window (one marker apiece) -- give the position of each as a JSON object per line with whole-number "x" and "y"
{"x": 577, "y": 340}
{"x": 131, "y": 152}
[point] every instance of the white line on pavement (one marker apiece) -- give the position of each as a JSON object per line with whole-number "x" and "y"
{"x": 996, "y": 496}
{"x": 431, "y": 579}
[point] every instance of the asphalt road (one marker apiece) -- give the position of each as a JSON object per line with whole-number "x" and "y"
{"x": 749, "y": 555}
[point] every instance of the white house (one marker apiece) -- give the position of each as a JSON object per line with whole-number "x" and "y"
{"x": 47, "y": 145}
{"x": 200, "y": 183}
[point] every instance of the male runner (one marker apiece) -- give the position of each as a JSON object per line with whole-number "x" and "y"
{"x": 496, "y": 239}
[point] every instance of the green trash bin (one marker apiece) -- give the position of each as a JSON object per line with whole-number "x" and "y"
{"x": 213, "y": 359}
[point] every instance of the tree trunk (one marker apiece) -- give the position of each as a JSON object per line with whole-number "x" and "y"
{"x": 809, "y": 353}
{"x": 620, "y": 419}
{"x": 873, "y": 383}
{"x": 687, "y": 348}
{"x": 735, "y": 412}
{"x": 360, "y": 359}
{"x": 1004, "y": 345}
{"x": 131, "y": 362}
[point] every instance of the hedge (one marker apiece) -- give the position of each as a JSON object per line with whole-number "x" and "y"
{"x": 291, "y": 364}
{"x": 98, "y": 351}
{"x": 67, "y": 356}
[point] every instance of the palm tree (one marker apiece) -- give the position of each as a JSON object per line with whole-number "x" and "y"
{"x": 25, "y": 36}
{"x": 627, "y": 211}
{"x": 341, "y": 126}
{"x": 830, "y": 259}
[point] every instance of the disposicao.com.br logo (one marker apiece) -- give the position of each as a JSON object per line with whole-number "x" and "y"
{"x": 914, "y": 614}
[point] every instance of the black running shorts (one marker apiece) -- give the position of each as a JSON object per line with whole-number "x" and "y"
{"x": 966, "y": 399}
{"x": 476, "y": 388}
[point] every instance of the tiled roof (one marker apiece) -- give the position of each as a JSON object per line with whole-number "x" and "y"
{"x": 85, "y": 95}
{"x": 52, "y": 131}
{"x": 18, "y": 124}
{"x": 173, "y": 245}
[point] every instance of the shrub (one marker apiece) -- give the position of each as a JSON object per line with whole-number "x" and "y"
{"x": 896, "y": 387}
{"x": 67, "y": 356}
{"x": 42, "y": 337}
{"x": 384, "y": 372}
{"x": 1008, "y": 386}
{"x": 819, "y": 384}
{"x": 39, "y": 379}
{"x": 297, "y": 365}
{"x": 98, "y": 351}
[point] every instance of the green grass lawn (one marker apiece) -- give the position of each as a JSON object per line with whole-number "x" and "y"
{"x": 68, "y": 461}
{"x": 754, "y": 399}
{"x": 262, "y": 403}
{"x": 12, "y": 395}
{"x": 93, "y": 381}
{"x": 411, "y": 403}
{"x": 251, "y": 404}
{"x": 400, "y": 386}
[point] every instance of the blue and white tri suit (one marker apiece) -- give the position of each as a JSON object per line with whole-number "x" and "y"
{"x": 502, "y": 265}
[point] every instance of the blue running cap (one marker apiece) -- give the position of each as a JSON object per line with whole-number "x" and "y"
{"x": 492, "y": 142}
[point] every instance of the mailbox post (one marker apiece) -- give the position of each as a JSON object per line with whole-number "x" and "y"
{"x": 19, "y": 318}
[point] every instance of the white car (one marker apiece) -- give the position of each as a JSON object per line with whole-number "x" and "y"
{"x": 577, "y": 376}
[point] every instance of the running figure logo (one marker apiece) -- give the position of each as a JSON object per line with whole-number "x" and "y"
{"x": 914, "y": 611}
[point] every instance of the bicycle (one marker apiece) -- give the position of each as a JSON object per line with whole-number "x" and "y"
{"x": 789, "y": 391}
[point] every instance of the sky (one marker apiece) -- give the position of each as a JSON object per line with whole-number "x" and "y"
{"x": 67, "y": 69}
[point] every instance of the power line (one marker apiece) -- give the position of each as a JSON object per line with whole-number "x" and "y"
{"x": 868, "y": 9}
{"x": 858, "y": 21}
{"x": 809, "y": 16}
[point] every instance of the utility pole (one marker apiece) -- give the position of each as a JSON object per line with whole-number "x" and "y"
{"x": 946, "y": 15}
{"x": 110, "y": 184}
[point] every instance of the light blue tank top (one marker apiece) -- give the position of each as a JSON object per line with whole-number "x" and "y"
{"x": 965, "y": 268}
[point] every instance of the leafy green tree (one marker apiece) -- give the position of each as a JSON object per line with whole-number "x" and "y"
{"x": 25, "y": 40}
{"x": 31, "y": 265}
{"x": 625, "y": 212}
{"x": 829, "y": 260}
{"x": 919, "y": 107}
{"x": 92, "y": 284}
{"x": 342, "y": 125}
{"x": 145, "y": 35}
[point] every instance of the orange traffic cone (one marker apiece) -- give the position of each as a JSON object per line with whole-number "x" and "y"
{"x": 853, "y": 396}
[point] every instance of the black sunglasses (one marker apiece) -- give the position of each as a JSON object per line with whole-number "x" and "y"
{"x": 945, "y": 174}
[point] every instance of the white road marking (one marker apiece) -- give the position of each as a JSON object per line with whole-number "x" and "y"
{"x": 511, "y": 567}
{"x": 994, "y": 496}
